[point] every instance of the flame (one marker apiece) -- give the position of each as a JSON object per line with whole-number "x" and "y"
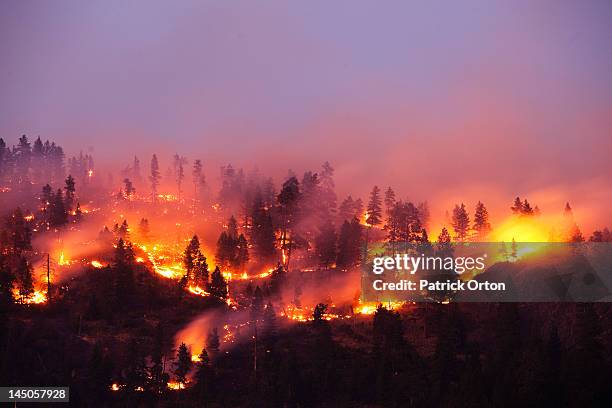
{"x": 35, "y": 298}
{"x": 97, "y": 264}
{"x": 175, "y": 385}
{"x": 167, "y": 197}
{"x": 196, "y": 290}
{"x": 63, "y": 259}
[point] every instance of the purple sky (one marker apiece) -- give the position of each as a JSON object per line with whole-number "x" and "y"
{"x": 440, "y": 99}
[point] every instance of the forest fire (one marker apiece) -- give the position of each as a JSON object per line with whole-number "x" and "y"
{"x": 34, "y": 298}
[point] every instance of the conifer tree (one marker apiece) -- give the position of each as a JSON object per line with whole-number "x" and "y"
{"x": 374, "y": 208}
{"x": 218, "y": 286}
{"x": 203, "y": 376}
{"x": 59, "y": 215}
{"x": 196, "y": 268}
{"x": 517, "y": 207}
{"x": 325, "y": 245}
{"x": 461, "y": 222}
{"x": 262, "y": 231}
{"x": 183, "y": 364}
{"x": 213, "y": 343}
{"x": 26, "y": 280}
{"x": 197, "y": 178}
{"x": 389, "y": 200}
{"x": 443, "y": 245}
{"x": 143, "y": 228}
{"x": 70, "y": 190}
{"x": 481, "y": 221}
{"x": 349, "y": 245}
{"x": 527, "y": 210}
{"x": 154, "y": 176}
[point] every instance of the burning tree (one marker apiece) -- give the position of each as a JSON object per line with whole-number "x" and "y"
{"x": 196, "y": 268}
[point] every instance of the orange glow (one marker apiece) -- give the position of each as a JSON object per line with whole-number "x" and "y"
{"x": 522, "y": 229}
{"x": 175, "y": 385}
{"x": 63, "y": 260}
{"x": 97, "y": 264}
{"x": 35, "y": 298}
{"x": 196, "y": 290}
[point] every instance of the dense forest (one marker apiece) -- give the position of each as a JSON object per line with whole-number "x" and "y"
{"x": 141, "y": 287}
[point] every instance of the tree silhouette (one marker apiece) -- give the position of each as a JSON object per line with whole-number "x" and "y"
{"x": 481, "y": 221}
{"x": 461, "y": 222}
{"x": 183, "y": 364}
{"x": 374, "y": 208}
{"x": 154, "y": 176}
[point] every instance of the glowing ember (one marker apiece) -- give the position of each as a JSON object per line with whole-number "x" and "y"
{"x": 36, "y": 297}
{"x": 196, "y": 290}
{"x": 97, "y": 264}
{"x": 174, "y": 385}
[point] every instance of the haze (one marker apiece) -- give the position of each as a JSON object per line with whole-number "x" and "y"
{"x": 444, "y": 101}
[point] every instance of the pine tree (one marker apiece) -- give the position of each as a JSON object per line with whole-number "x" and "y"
{"x": 443, "y": 245}
{"x": 136, "y": 170}
{"x": 144, "y": 229}
{"x": 424, "y": 214}
{"x": 481, "y": 221}
{"x": 203, "y": 376}
{"x": 183, "y": 364}
{"x": 262, "y": 231}
{"x": 59, "y": 215}
{"x": 26, "y": 280}
{"x": 129, "y": 188}
{"x": 328, "y": 195}
{"x": 196, "y": 268}
{"x": 461, "y": 222}
{"x": 213, "y": 343}
{"x": 374, "y": 208}
{"x": 325, "y": 245}
{"x": 242, "y": 253}
{"x": 346, "y": 210}
{"x": 349, "y": 245}
{"x": 218, "y": 286}
{"x": 70, "y": 190}
{"x": 527, "y": 210}
{"x": 197, "y": 177}
{"x": 389, "y": 200}
{"x": 157, "y": 377}
{"x": 154, "y": 176}
{"x": 424, "y": 245}
{"x": 124, "y": 273}
{"x": 517, "y": 207}
{"x": 288, "y": 200}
